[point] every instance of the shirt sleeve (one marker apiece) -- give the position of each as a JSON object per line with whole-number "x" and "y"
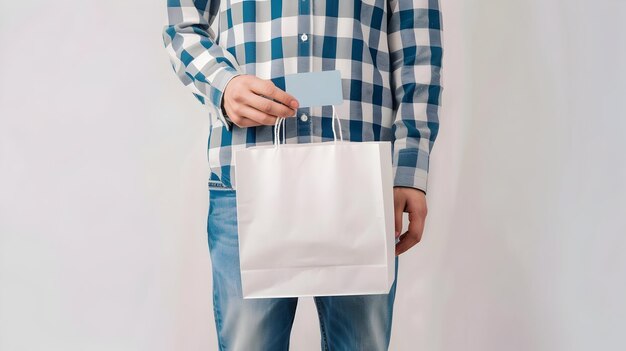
{"x": 199, "y": 62}
{"x": 414, "y": 39}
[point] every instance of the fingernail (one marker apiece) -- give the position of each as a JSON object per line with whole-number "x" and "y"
{"x": 397, "y": 234}
{"x": 294, "y": 104}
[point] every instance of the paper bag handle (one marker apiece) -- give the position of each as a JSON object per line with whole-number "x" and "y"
{"x": 280, "y": 122}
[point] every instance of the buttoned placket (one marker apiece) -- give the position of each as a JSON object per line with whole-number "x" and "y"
{"x": 305, "y": 43}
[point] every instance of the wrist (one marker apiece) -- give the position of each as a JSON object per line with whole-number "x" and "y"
{"x": 410, "y": 187}
{"x": 223, "y": 109}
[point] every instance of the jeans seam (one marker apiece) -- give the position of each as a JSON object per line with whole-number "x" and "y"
{"x": 216, "y": 306}
{"x": 322, "y": 326}
{"x": 218, "y": 321}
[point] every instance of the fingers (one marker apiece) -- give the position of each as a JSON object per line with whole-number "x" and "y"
{"x": 261, "y": 118}
{"x": 251, "y": 101}
{"x": 398, "y": 213}
{"x": 407, "y": 241}
{"x": 416, "y": 207}
{"x": 403, "y": 245}
{"x": 268, "y": 106}
{"x": 413, "y": 235}
{"x": 246, "y": 122}
{"x": 268, "y": 89}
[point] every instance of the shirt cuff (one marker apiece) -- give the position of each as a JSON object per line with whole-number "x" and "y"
{"x": 411, "y": 170}
{"x": 218, "y": 85}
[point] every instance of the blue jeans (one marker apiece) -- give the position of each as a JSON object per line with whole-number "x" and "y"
{"x": 347, "y": 323}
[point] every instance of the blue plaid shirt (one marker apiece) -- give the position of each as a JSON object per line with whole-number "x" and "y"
{"x": 389, "y": 54}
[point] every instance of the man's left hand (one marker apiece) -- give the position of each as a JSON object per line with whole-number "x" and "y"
{"x": 413, "y": 201}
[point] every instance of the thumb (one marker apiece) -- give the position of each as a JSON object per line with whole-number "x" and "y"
{"x": 398, "y": 211}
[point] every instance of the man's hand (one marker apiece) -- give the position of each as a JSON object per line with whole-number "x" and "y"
{"x": 248, "y": 101}
{"x": 412, "y": 201}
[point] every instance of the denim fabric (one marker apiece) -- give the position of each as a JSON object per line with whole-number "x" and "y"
{"x": 347, "y": 323}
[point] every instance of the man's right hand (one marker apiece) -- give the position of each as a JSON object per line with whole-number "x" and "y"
{"x": 248, "y": 101}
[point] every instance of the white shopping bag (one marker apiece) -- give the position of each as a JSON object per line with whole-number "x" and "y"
{"x": 315, "y": 219}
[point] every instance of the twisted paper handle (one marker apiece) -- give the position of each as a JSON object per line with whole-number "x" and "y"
{"x": 280, "y": 122}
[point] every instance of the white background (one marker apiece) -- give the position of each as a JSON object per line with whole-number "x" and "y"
{"x": 103, "y": 193}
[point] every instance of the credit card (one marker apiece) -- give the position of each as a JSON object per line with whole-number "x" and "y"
{"x": 315, "y": 88}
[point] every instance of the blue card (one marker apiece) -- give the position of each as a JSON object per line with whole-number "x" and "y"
{"x": 315, "y": 88}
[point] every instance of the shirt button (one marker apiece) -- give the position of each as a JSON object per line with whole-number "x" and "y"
{"x": 304, "y": 117}
{"x": 304, "y": 37}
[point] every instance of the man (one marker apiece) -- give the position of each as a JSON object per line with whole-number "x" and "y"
{"x": 234, "y": 54}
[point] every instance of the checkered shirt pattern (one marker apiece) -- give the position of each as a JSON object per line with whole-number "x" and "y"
{"x": 389, "y": 53}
